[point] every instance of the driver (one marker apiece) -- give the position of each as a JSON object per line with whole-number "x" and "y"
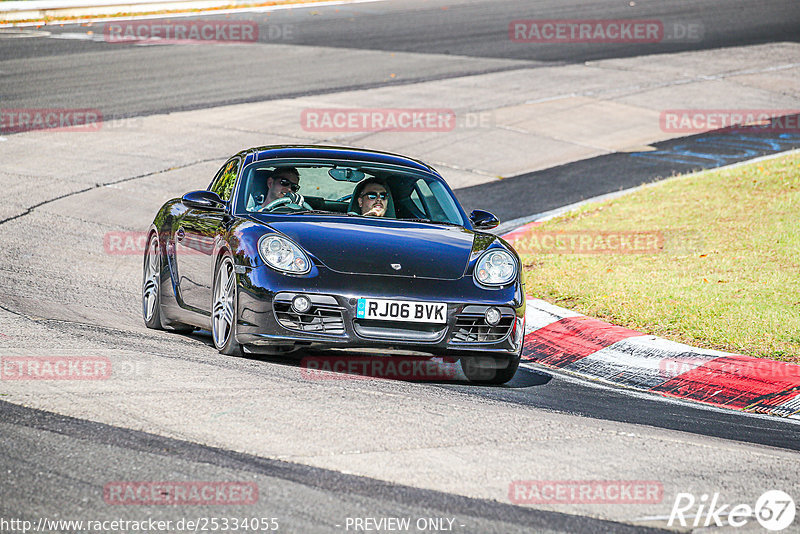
{"x": 282, "y": 180}
{"x": 374, "y": 197}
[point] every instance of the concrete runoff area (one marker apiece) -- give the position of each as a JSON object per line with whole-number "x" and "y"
{"x": 410, "y": 434}
{"x": 542, "y": 118}
{"x": 66, "y": 295}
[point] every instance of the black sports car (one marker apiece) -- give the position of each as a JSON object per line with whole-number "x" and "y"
{"x": 376, "y": 253}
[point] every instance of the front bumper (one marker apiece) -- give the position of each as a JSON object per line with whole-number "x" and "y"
{"x": 267, "y": 320}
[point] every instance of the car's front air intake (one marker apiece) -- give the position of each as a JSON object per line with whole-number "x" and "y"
{"x": 323, "y": 317}
{"x": 471, "y": 326}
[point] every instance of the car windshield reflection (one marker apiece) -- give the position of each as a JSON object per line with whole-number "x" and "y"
{"x": 346, "y": 190}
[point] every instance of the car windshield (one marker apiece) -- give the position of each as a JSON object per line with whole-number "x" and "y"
{"x": 347, "y": 189}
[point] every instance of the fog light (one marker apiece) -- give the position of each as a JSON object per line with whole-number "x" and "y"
{"x": 492, "y": 316}
{"x": 301, "y": 304}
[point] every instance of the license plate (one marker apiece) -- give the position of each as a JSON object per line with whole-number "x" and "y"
{"x": 402, "y": 310}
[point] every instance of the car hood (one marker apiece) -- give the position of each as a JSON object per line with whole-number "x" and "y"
{"x": 371, "y": 246}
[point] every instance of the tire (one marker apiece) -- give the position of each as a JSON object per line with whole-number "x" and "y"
{"x": 224, "y": 314}
{"x": 151, "y": 291}
{"x": 151, "y": 285}
{"x": 490, "y": 369}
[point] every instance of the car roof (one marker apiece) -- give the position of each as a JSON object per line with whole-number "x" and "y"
{"x": 334, "y": 152}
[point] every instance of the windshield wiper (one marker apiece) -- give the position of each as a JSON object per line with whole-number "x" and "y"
{"x": 324, "y": 212}
{"x": 430, "y": 221}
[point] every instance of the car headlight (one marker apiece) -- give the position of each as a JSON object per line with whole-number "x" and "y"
{"x": 495, "y": 268}
{"x": 283, "y": 255}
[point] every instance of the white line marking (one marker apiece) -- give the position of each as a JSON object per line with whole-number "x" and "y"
{"x": 21, "y": 34}
{"x": 262, "y": 9}
{"x": 76, "y": 36}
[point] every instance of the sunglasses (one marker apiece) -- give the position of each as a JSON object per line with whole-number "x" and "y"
{"x": 285, "y": 182}
{"x": 373, "y": 195}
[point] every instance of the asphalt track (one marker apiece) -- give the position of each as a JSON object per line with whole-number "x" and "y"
{"x": 77, "y": 73}
{"x": 449, "y": 39}
{"x": 49, "y": 459}
{"x": 526, "y": 195}
{"x": 57, "y": 466}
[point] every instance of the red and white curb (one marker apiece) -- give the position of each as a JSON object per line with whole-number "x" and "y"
{"x": 559, "y": 338}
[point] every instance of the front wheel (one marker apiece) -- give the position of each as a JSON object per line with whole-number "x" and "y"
{"x": 490, "y": 369}
{"x": 224, "y": 310}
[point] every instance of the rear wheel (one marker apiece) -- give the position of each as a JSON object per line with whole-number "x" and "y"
{"x": 224, "y": 310}
{"x": 151, "y": 285}
{"x": 490, "y": 369}
{"x": 151, "y": 291}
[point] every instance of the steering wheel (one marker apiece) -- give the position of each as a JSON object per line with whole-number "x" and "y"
{"x": 293, "y": 201}
{"x": 348, "y": 196}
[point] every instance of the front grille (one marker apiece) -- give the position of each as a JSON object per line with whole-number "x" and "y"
{"x": 324, "y": 317}
{"x": 471, "y": 326}
{"x": 399, "y": 331}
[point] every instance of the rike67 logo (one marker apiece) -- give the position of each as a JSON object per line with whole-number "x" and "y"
{"x": 774, "y": 510}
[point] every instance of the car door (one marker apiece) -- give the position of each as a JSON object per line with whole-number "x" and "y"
{"x": 194, "y": 242}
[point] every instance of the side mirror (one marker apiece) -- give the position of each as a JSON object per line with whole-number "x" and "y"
{"x": 483, "y": 220}
{"x": 206, "y": 200}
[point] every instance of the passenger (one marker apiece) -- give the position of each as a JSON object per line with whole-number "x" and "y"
{"x": 374, "y": 197}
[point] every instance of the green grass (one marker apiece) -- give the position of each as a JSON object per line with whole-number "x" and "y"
{"x": 726, "y": 275}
